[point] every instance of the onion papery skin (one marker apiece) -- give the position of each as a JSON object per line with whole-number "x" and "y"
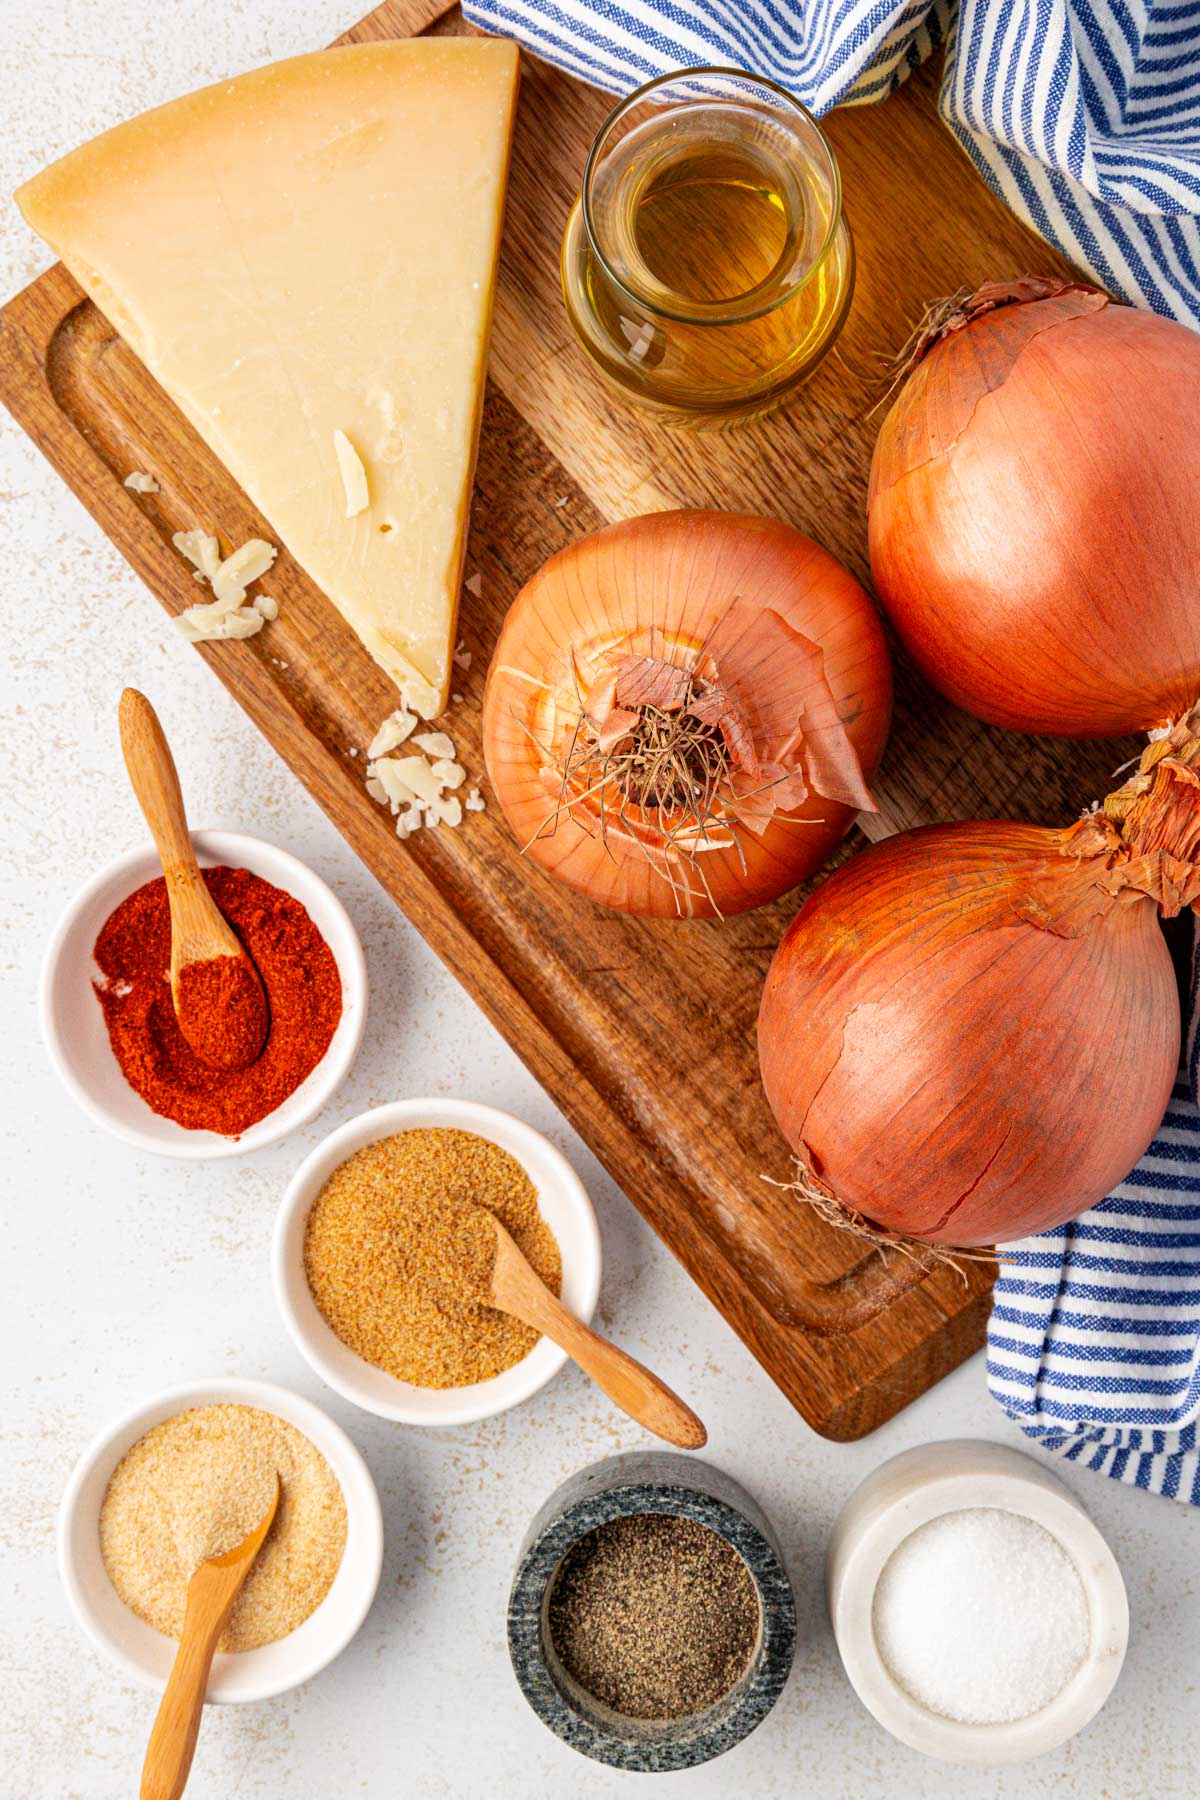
{"x": 1034, "y": 515}
{"x": 965, "y": 1038}
{"x": 662, "y": 582}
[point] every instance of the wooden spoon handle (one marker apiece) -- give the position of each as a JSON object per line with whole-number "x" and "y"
{"x": 628, "y": 1383}
{"x": 177, "y": 1726}
{"x": 155, "y": 782}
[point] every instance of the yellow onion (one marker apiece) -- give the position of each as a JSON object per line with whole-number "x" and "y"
{"x": 682, "y": 712}
{"x": 970, "y": 1032}
{"x": 1034, "y": 511}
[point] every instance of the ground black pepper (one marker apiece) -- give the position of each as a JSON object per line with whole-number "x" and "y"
{"x": 654, "y": 1615}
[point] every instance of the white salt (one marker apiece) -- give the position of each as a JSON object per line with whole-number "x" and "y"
{"x": 980, "y": 1616}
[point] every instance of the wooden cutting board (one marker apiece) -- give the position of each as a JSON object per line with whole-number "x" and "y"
{"x": 643, "y": 1032}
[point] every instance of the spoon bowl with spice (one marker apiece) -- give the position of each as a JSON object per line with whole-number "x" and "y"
{"x": 504, "y": 1277}
{"x": 218, "y": 995}
{"x": 103, "y": 1043}
{"x": 185, "y": 1476}
{"x": 369, "y": 1244}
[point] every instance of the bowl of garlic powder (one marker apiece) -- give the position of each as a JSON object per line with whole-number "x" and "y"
{"x": 178, "y": 1480}
{"x": 373, "y": 1265}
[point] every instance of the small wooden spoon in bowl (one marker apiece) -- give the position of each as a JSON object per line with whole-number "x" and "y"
{"x": 218, "y": 993}
{"x": 516, "y": 1289}
{"x": 210, "y": 1597}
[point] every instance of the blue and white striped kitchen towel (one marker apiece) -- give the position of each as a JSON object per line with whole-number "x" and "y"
{"x": 1084, "y": 115}
{"x": 1094, "y": 1341}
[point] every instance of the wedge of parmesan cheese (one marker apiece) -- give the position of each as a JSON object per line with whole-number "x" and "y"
{"x": 308, "y": 250}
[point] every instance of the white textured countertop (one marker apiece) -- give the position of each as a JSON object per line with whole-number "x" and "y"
{"x": 124, "y": 1274}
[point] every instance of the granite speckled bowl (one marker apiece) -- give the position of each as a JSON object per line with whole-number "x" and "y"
{"x": 620, "y": 1486}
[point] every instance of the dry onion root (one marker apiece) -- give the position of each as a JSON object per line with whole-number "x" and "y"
{"x": 1034, "y": 510}
{"x": 971, "y": 1031}
{"x": 683, "y": 711}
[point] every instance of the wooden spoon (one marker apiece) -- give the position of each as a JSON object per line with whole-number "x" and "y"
{"x": 210, "y": 1597}
{"x": 516, "y": 1289}
{"x": 231, "y": 1035}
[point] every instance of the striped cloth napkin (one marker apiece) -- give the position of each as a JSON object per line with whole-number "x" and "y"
{"x": 1094, "y": 1341}
{"x": 1084, "y": 115}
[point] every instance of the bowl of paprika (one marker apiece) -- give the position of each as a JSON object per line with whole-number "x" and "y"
{"x": 108, "y": 1019}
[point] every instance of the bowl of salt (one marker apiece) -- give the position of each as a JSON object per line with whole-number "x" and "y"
{"x": 980, "y": 1615}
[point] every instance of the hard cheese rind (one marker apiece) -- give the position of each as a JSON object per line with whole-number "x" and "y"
{"x": 304, "y": 256}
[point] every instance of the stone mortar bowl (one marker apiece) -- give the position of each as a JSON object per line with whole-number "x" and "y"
{"x": 649, "y": 1482}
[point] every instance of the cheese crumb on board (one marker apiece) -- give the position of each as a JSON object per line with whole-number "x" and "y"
{"x": 201, "y": 549}
{"x": 215, "y": 623}
{"x": 394, "y": 730}
{"x": 434, "y": 743}
{"x": 225, "y": 616}
{"x": 462, "y": 657}
{"x": 354, "y": 476}
{"x": 240, "y": 568}
{"x": 366, "y": 184}
{"x": 474, "y": 584}
{"x": 138, "y": 482}
{"x": 418, "y": 787}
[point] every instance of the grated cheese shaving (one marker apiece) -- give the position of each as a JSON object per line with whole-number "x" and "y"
{"x": 354, "y": 476}
{"x": 224, "y": 616}
{"x": 394, "y": 730}
{"x": 450, "y": 774}
{"x": 434, "y": 743}
{"x": 420, "y": 787}
{"x": 201, "y": 549}
{"x": 140, "y": 483}
{"x": 242, "y": 622}
{"x": 416, "y": 776}
{"x": 448, "y": 810}
{"x": 245, "y": 565}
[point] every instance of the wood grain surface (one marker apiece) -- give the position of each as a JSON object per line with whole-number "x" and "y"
{"x": 642, "y": 1031}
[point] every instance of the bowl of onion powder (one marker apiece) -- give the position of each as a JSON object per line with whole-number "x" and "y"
{"x": 979, "y": 1614}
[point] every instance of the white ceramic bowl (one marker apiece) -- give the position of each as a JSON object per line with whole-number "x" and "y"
{"x": 73, "y": 1024}
{"x": 146, "y": 1655}
{"x": 562, "y": 1201}
{"x": 906, "y": 1493}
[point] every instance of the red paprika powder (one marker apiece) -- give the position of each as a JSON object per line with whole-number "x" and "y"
{"x": 304, "y": 1000}
{"x": 222, "y": 1011}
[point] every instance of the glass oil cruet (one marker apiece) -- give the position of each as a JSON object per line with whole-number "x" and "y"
{"x": 707, "y": 265}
